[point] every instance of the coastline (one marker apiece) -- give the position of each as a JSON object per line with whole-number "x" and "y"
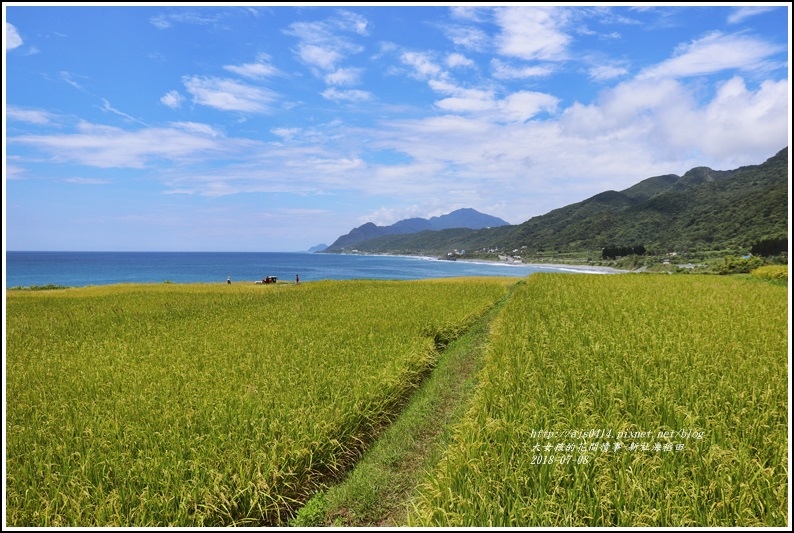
{"x": 590, "y": 269}
{"x": 595, "y": 269}
{"x": 569, "y": 267}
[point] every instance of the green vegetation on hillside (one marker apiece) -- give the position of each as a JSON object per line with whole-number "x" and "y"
{"x": 700, "y": 211}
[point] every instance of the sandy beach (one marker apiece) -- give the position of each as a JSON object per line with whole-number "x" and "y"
{"x": 595, "y": 269}
{"x": 589, "y": 269}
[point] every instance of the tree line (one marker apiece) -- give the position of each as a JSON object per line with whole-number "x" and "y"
{"x": 613, "y": 252}
{"x": 769, "y": 247}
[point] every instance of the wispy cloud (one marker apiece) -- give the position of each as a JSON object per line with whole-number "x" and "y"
{"x": 319, "y": 43}
{"x": 523, "y": 108}
{"x": 13, "y": 40}
{"x": 88, "y": 181}
{"x": 349, "y": 95}
{"x": 286, "y": 133}
{"x": 742, "y": 13}
{"x": 197, "y": 128}
{"x": 261, "y": 68}
{"x": 344, "y": 76}
{"x": 67, "y": 77}
{"x": 505, "y": 71}
{"x": 110, "y": 147}
{"x": 532, "y": 33}
{"x": 110, "y": 109}
{"x": 303, "y": 171}
{"x": 456, "y": 60}
{"x": 516, "y": 107}
{"x": 14, "y": 172}
{"x": 468, "y": 37}
{"x": 172, "y": 99}
{"x": 166, "y": 20}
{"x": 606, "y": 72}
{"x": 33, "y": 116}
{"x": 422, "y": 64}
{"x": 229, "y": 95}
{"x": 355, "y": 22}
{"x": 317, "y": 55}
{"x": 714, "y": 53}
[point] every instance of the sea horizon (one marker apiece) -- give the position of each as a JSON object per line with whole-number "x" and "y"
{"x": 84, "y": 268}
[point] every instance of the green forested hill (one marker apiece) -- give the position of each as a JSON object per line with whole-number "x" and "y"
{"x": 702, "y": 210}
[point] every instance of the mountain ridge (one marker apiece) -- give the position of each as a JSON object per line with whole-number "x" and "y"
{"x": 467, "y": 218}
{"x": 703, "y": 209}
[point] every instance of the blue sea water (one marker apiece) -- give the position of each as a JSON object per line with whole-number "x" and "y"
{"x": 79, "y": 269}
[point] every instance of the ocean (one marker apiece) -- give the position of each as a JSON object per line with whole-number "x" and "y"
{"x": 80, "y": 269}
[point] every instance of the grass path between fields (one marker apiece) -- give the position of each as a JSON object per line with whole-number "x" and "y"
{"x": 379, "y": 490}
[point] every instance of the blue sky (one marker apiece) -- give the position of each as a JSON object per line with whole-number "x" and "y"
{"x": 274, "y": 128}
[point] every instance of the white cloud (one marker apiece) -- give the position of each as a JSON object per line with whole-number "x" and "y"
{"x": 532, "y": 33}
{"x": 160, "y": 22}
{"x": 110, "y": 147}
{"x": 228, "y": 95}
{"x": 445, "y": 86}
{"x": 286, "y": 133}
{"x": 164, "y": 21}
{"x": 336, "y": 165}
{"x": 67, "y": 77}
{"x": 301, "y": 170}
{"x": 606, "y": 72}
{"x": 485, "y": 142}
{"x": 741, "y": 13}
{"x": 325, "y": 58}
{"x": 14, "y": 172}
{"x": 13, "y": 40}
{"x": 385, "y": 216}
{"x": 319, "y": 46}
{"x": 503, "y": 71}
{"x": 472, "y": 104}
{"x": 630, "y": 108}
{"x": 468, "y": 37}
{"x": 88, "y": 181}
{"x": 33, "y": 116}
{"x": 107, "y": 107}
{"x": 523, "y": 105}
{"x": 516, "y": 107}
{"x": 350, "y": 95}
{"x": 261, "y": 68}
{"x": 344, "y": 76}
{"x": 714, "y": 53}
{"x": 464, "y": 12}
{"x": 459, "y": 60}
{"x": 423, "y": 66}
{"x": 197, "y": 128}
{"x": 353, "y": 22}
{"x": 738, "y": 120}
{"x": 172, "y": 99}
{"x": 640, "y": 128}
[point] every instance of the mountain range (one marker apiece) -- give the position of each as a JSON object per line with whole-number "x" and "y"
{"x": 461, "y": 218}
{"x": 704, "y": 209}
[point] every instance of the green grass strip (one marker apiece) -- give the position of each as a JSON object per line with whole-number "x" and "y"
{"x": 378, "y": 491}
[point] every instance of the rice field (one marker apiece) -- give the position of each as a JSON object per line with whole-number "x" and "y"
{"x": 209, "y": 405}
{"x": 626, "y": 400}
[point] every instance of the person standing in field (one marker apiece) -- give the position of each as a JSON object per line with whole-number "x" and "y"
{"x": 229, "y": 280}
{"x": 297, "y": 279}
